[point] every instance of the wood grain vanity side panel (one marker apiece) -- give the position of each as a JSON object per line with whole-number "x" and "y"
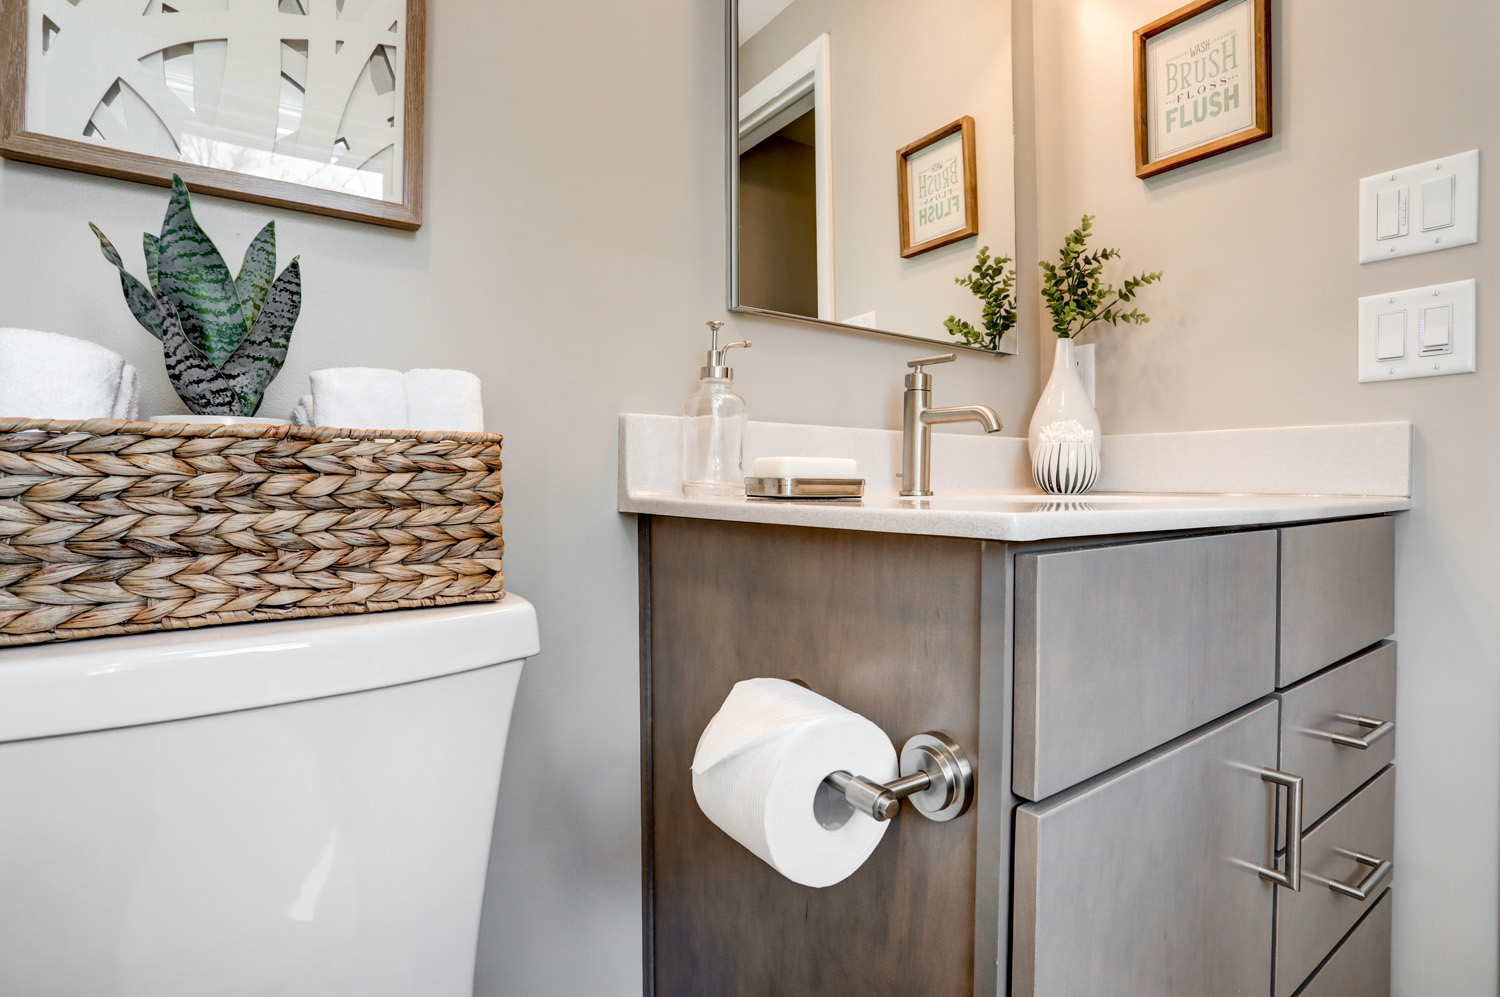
{"x": 1121, "y": 648}
{"x": 889, "y": 626}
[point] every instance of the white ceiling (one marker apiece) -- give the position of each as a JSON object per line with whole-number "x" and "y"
{"x": 756, "y": 14}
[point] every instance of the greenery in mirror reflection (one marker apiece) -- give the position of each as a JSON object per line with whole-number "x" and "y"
{"x": 1076, "y": 295}
{"x": 993, "y": 285}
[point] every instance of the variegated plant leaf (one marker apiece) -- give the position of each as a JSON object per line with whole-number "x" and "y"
{"x": 256, "y": 272}
{"x": 258, "y": 360}
{"x": 152, "y": 246}
{"x": 195, "y": 280}
{"x": 204, "y": 389}
{"x": 142, "y": 302}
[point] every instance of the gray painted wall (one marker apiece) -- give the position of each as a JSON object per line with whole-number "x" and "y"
{"x": 572, "y": 250}
{"x": 1255, "y": 326}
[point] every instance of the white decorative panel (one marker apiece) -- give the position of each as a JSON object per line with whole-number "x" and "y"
{"x": 305, "y": 91}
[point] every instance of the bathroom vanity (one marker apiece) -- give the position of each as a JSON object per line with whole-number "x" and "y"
{"x": 1180, "y": 710}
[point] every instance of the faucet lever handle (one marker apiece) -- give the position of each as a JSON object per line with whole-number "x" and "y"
{"x": 917, "y": 365}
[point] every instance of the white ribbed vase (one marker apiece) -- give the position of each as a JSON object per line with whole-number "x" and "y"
{"x": 1064, "y": 400}
{"x": 1065, "y": 468}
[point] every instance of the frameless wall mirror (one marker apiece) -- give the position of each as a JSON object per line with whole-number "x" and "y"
{"x": 827, "y": 98}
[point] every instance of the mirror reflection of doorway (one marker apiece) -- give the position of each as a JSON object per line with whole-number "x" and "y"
{"x": 779, "y": 217}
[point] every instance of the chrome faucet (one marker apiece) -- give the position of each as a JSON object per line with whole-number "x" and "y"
{"x": 917, "y": 418}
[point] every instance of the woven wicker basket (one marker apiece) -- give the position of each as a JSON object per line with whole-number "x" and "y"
{"x": 110, "y": 527}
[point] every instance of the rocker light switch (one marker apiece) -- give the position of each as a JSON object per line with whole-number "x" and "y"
{"x": 1391, "y": 336}
{"x": 1437, "y": 203}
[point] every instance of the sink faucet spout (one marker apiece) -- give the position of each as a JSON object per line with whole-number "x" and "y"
{"x": 982, "y": 414}
{"x": 917, "y": 419}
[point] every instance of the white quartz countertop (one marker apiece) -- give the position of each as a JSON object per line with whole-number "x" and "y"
{"x": 1023, "y": 517}
{"x": 1213, "y": 479}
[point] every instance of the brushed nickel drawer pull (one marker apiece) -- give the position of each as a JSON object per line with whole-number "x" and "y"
{"x": 1377, "y": 729}
{"x": 1292, "y": 878}
{"x": 1379, "y": 870}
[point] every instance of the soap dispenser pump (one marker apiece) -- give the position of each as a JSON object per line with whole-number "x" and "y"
{"x": 713, "y": 441}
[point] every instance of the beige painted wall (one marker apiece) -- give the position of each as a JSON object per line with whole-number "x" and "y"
{"x": 573, "y": 248}
{"x": 1255, "y": 326}
{"x": 900, "y": 70}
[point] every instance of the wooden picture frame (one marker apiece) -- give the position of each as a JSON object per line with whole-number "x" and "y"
{"x": 1192, "y": 68}
{"x": 953, "y": 195}
{"x": 19, "y": 142}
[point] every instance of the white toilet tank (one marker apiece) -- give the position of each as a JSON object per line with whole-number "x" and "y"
{"x": 289, "y": 808}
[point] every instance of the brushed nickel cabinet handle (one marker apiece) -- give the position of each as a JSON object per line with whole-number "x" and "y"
{"x": 1377, "y": 729}
{"x": 1292, "y": 877}
{"x": 1379, "y": 870}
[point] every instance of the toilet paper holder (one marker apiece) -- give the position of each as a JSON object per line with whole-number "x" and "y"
{"x": 936, "y": 776}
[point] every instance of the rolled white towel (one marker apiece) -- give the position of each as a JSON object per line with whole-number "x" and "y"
{"x": 44, "y": 375}
{"x": 302, "y": 412}
{"x": 443, "y": 400}
{"x": 359, "y": 398}
{"x": 128, "y": 400}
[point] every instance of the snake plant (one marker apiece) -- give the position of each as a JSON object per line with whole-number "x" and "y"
{"x": 224, "y": 338}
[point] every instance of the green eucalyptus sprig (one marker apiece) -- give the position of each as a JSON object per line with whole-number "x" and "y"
{"x": 1078, "y": 297}
{"x": 993, "y": 285}
{"x": 224, "y": 338}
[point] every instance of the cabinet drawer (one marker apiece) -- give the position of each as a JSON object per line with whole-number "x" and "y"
{"x": 1119, "y": 649}
{"x": 1311, "y": 922}
{"x": 1361, "y": 965}
{"x": 1338, "y": 592}
{"x": 1144, "y": 882}
{"x": 1320, "y": 707}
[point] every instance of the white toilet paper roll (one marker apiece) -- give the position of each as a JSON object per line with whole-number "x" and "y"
{"x": 757, "y": 771}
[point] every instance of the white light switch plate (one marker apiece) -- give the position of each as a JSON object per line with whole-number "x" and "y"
{"x": 1432, "y": 329}
{"x": 1420, "y": 209}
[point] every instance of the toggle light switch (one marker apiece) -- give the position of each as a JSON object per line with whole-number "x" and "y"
{"x": 1437, "y": 329}
{"x": 1390, "y": 336}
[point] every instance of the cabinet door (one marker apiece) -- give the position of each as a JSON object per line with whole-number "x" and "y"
{"x": 1352, "y": 847}
{"x": 1338, "y": 592}
{"x": 1143, "y": 882}
{"x": 1361, "y": 965}
{"x": 1124, "y": 647}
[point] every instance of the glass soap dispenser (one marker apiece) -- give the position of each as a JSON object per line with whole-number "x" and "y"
{"x": 713, "y": 441}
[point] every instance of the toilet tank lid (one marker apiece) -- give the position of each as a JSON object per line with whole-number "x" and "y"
{"x": 76, "y": 686}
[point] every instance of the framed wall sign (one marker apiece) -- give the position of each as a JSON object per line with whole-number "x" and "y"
{"x": 938, "y": 189}
{"x": 308, "y": 104}
{"x": 1202, "y": 83}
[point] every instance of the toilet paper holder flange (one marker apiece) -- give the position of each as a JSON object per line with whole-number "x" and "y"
{"x": 936, "y": 775}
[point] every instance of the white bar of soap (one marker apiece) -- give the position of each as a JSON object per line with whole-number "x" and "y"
{"x": 806, "y": 467}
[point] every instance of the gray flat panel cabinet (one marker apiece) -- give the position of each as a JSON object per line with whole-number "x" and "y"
{"x": 1326, "y": 720}
{"x": 1347, "y": 850}
{"x": 1121, "y": 648}
{"x": 1338, "y": 592}
{"x": 1135, "y": 760}
{"x": 1361, "y": 965}
{"x": 1143, "y": 883}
